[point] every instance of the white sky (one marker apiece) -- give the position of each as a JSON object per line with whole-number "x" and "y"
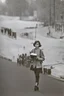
{"x": 3, "y": 1}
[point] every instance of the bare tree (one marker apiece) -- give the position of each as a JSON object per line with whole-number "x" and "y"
{"x": 17, "y": 7}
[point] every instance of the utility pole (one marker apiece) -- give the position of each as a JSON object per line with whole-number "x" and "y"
{"x": 50, "y": 13}
{"x": 62, "y": 15}
{"x": 36, "y": 31}
{"x": 54, "y": 11}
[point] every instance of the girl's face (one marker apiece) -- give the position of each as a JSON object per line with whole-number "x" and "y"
{"x": 37, "y": 45}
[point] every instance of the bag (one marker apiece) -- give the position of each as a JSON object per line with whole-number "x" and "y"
{"x": 41, "y": 53}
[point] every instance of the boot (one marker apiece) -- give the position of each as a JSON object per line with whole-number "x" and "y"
{"x": 36, "y": 88}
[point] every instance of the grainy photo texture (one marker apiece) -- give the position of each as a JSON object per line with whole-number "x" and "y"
{"x": 31, "y": 47}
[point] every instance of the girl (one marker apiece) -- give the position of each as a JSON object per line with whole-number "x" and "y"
{"x": 37, "y": 57}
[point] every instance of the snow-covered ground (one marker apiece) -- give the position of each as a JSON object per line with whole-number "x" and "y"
{"x": 53, "y": 48}
{"x": 2, "y": 17}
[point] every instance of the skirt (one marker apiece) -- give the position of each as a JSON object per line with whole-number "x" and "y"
{"x": 39, "y": 70}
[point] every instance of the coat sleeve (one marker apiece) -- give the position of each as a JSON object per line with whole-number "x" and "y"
{"x": 42, "y": 55}
{"x": 32, "y": 51}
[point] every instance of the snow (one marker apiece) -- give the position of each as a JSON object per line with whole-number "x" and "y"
{"x": 17, "y": 25}
{"x": 2, "y": 17}
{"x": 52, "y": 48}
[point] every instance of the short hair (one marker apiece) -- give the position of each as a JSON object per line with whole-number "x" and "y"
{"x": 37, "y": 42}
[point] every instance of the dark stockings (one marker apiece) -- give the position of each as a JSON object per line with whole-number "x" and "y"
{"x": 37, "y": 76}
